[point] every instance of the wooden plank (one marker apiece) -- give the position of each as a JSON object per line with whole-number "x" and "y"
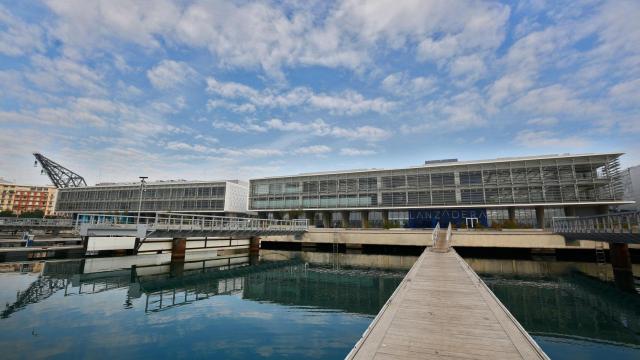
{"x": 443, "y": 310}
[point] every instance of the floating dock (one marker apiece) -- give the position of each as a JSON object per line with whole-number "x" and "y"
{"x": 443, "y": 310}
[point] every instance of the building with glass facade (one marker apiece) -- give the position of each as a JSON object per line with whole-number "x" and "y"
{"x": 525, "y": 190}
{"x": 210, "y": 197}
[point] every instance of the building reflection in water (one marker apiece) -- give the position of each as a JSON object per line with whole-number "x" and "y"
{"x": 553, "y": 299}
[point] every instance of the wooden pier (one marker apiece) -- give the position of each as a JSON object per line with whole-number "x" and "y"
{"x": 443, "y": 310}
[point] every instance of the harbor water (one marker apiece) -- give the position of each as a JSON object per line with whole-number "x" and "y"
{"x": 282, "y": 305}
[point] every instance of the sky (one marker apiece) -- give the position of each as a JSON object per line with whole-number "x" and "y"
{"x": 208, "y": 90}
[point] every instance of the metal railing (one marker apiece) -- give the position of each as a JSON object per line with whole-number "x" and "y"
{"x": 619, "y": 223}
{"x": 448, "y": 237}
{"x": 35, "y": 222}
{"x": 435, "y": 234}
{"x": 195, "y": 222}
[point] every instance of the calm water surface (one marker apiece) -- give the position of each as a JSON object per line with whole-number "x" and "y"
{"x": 284, "y": 305}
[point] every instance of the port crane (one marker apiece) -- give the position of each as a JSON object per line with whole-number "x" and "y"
{"x": 60, "y": 176}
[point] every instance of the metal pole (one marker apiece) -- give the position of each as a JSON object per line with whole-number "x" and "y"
{"x": 142, "y": 179}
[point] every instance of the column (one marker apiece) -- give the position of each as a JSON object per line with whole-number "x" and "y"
{"x": 540, "y": 217}
{"x": 345, "y": 219}
{"x": 254, "y": 244}
{"x": 364, "y": 216}
{"x": 385, "y": 218}
{"x": 178, "y": 249}
{"x": 512, "y": 214}
{"x": 326, "y": 219}
{"x": 621, "y": 263}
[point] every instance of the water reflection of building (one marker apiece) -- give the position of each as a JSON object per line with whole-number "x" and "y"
{"x": 165, "y": 285}
{"x": 559, "y": 299}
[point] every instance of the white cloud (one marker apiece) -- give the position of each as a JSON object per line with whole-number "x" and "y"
{"x": 356, "y": 152}
{"x": 543, "y": 121}
{"x": 538, "y": 139}
{"x": 470, "y": 68}
{"x": 243, "y": 127}
{"x": 347, "y": 102}
{"x": 401, "y": 85}
{"x": 64, "y": 73}
{"x": 626, "y": 93}
{"x": 313, "y": 150}
{"x": 319, "y": 127}
{"x": 17, "y": 37}
{"x": 555, "y": 99}
{"x": 169, "y": 74}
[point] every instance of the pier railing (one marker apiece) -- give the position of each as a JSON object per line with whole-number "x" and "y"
{"x": 435, "y": 235}
{"x": 194, "y": 222}
{"x": 619, "y": 223}
{"x": 613, "y": 228}
{"x": 35, "y": 222}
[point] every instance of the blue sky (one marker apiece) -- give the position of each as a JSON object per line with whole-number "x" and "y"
{"x": 224, "y": 89}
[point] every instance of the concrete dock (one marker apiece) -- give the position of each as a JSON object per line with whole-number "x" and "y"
{"x": 443, "y": 310}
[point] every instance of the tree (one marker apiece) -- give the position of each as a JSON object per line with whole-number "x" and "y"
{"x": 7, "y": 213}
{"x": 38, "y": 213}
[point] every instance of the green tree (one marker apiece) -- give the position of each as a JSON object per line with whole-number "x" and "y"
{"x": 7, "y": 213}
{"x": 38, "y": 213}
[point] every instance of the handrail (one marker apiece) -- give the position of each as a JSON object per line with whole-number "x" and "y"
{"x": 194, "y": 222}
{"x": 13, "y": 221}
{"x": 448, "y": 237}
{"x": 618, "y": 223}
{"x": 435, "y": 234}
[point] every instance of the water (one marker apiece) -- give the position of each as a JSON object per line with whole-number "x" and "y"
{"x": 284, "y": 306}
{"x": 573, "y": 310}
{"x": 287, "y": 305}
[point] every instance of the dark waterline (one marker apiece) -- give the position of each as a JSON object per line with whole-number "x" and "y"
{"x": 290, "y": 304}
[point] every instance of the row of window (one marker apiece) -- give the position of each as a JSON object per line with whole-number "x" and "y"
{"x": 181, "y": 205}
{"x": 149, "y": 193}
{"x": 548, "y": 174}
{"x": 504, "y": 195}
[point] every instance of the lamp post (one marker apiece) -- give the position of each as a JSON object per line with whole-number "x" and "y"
{"x": 142, "y": 180}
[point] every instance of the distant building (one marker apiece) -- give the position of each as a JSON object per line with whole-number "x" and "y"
{"x": 24, "y": 198}
{"x": 207, "y": 197}
{"x": 528, "y": 190}
{"x": 631, "y": 182}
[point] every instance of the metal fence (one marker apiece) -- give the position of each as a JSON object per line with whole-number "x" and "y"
{"x": 195, "y": 222}
{"x": 35, "y": 222}
{"x": 620, "y": 223}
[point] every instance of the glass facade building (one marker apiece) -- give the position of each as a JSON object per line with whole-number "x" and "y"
{"x": 176, "y": 196}
{"x": 552, "y": 181}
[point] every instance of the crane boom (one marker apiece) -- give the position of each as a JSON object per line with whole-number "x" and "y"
{"x": 59, "y": 175}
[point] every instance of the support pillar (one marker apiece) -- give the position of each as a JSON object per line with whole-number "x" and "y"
{"x": 540, "y": 217}
{"x": 85, "y": 243}
{"x": 254, "y": 245}
{"x": 364, "y": 215}
{"x": 326, "y": 219}
{"x": 385, "y": 219}
{"x": 178, "y": 249}
{"x": 512, "y": 214}
{"x": 621, "y": 263}
{"x": 345, "y": 219}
